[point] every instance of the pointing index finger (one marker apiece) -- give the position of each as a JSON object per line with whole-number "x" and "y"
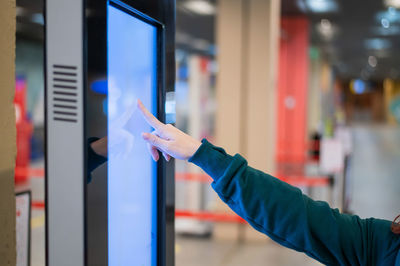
{"x": 150, "y": 119}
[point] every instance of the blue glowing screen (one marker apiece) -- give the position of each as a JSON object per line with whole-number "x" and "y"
{"x": 132, "y": 175}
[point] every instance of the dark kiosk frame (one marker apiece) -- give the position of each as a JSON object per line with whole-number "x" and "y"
{"x": 96, "y": 49}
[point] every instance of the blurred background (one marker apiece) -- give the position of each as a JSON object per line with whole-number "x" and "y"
{"x": 306, "y": 90}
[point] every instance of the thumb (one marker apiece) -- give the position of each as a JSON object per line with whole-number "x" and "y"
{"x": 156, "y": 141}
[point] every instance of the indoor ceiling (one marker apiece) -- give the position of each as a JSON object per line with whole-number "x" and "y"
{"x": 358, "y": 37}
{"x": 195, "y": 32}
{"x": 30, "y": 19}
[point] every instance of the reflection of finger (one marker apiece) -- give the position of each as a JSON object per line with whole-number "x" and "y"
{"x": 153, "y": 151}
{"x": 125, "y": 117}
{"x": 155, "y": 141}
{"x": 150, "y": 119}
{"x": 166, "y": 156}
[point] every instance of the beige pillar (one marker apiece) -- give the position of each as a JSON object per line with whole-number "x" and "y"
{"x": 230, "y": 74}
{"x": 260, "y": 85}
{"x": 7, "y": 132}
{"x": 314, "y": 97}
{"x": 247, "y": 41}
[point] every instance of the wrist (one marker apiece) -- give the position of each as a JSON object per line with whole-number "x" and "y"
{"x": 195, "y": 147}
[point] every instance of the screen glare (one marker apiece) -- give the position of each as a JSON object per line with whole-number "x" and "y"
{"x": 132, "y": 175}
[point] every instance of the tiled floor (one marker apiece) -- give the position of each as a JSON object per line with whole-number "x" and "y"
{"x": 375, "y": 172}
{"x": 375, "y": 187}
{"x": 201, "y": 252}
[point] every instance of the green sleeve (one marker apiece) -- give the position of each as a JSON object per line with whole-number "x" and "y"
{"x": 294, "y": 220}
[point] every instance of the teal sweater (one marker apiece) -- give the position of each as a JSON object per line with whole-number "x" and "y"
{"x": 294, "y": 220}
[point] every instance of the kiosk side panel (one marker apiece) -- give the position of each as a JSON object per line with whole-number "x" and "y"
{"x": 64, "y": 133}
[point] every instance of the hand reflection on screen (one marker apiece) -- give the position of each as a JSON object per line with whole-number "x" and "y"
{"x": 121, "y": 141}
{"x": 100, "y": 146}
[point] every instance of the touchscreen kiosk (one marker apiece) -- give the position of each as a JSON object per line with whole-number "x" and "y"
{"x": 132, "y": 174}
{"x": 112, "y": 207}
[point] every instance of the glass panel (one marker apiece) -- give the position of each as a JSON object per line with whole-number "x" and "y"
{"x": 132, "y": 175}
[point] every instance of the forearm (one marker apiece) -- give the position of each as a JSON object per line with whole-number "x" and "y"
{"x": 277, "y": 209}
{"x": 282, "y": 211}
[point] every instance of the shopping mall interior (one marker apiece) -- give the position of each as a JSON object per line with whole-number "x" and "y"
{"x": 307, "y": 91}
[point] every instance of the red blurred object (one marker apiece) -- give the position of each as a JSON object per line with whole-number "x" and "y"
{"x": 29, "y": 172}
{"x": 301, "y": 181}
{"x": 304, "y": 181}
{"x": 292, "y": 95}
{"x": 210, "y": 216}
{"x": 294, "y": 180}
{"x": 195, "y": 177}
{"x": 38, "y": 204}
{"x": 202, "y": 216}
{"x": 24, "y": 131}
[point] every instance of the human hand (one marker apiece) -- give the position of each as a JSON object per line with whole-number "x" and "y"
{"x": 167, "y": 139}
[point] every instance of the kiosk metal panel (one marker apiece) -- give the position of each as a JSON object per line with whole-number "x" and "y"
{"x": 64, "y": 133}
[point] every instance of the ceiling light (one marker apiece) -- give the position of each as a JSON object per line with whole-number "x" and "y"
{"x": 326, "y": 25}
{"x": 372, "y": 61}
{"x": 20, "y": 11}
{"x": 37, "y": 18}
{"x": 326, "y": 29}
{"x": 322, "y": 6}
{"x": 391, "y": 15}
{"x": 201, "y": 7}
{"x": 385, "y": 23}
{"x": 357, "y": 86}
{"x": 392, "y": 3}
{"x": 377, "y": 44}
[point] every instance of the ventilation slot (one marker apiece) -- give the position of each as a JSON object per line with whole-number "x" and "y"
{"x": 65, "y": 95}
